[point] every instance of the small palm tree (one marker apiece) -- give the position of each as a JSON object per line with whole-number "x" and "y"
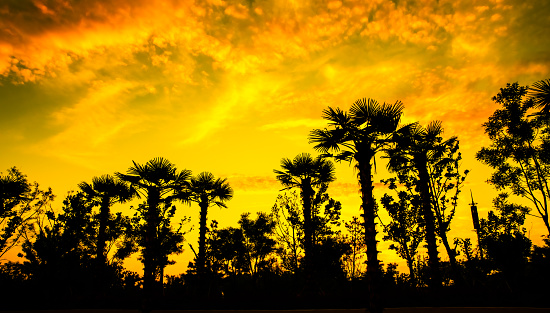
{"x": 304, "y": 172}
{"x": 356, "y": 137}
{"x": 159, "y": 181}
{"x": 206, "y": 190}
{"x": 104, "y": 191}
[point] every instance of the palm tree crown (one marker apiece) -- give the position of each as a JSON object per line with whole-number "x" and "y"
{"x": 540, "y": 93}
{"x": 104, "y": 191}
{"x": 303, "y": 167}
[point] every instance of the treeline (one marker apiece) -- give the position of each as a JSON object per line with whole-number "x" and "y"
{"x": 297, "y": 255}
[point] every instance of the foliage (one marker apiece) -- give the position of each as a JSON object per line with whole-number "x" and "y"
{"x": 429, "y": 166}
{"x": 405, "y": 228}
{"x": 21, "y": 204}
{"x": 355, "y": 240}
{"x": 519, "y": 149}
{"x": 170, "y": 238}
{"x": 289, "y": 229}
{"x": 503, "y": 236}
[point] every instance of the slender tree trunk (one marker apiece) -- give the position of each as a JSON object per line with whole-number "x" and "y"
{"x": 149, "y": 253}
{"x": 452, "y": 257}
{"x": 373, "y": 265}
{"x": 201, "y": 260}
{"x": 307, "y": 195}
{"x": 433, "y": 258}
{"x": 101, "y": 234}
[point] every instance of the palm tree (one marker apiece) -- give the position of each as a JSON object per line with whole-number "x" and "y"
{"x": 304, "y": 172}
{"x": 417, "y": 150}
{"x": 206, "y": 190}
{"x": 159, "y": 181}
{"x": 105, "y": 191}
{"x": 356, "y": 137}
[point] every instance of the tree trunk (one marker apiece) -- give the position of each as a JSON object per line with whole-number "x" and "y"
{"x": 424, "y": 189}
{"x": 101, "y": 233}
{"x": 369, "y": 214}
{"x": 201, "y": 260}
{"x": 307, "y": 195}
{"x": 452, "y": 257}
{"x": 149, "y": 253}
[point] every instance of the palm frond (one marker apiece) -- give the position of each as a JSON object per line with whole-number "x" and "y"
{"x": 540, "y": 93}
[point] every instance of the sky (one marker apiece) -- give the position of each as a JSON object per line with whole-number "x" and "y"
{"x": 232, "y": 87}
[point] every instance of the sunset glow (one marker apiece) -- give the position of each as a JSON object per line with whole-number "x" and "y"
{"x": 232, "y": 87}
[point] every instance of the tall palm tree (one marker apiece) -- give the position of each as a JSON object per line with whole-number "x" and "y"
{"x": 159, "y": 181}
{"x": 417, "y": 150}
{"x": 305, "y": 173}
{"x": 104, "y": 191}
{"x": 206, "y": 190}
{"x": 356, "y": 137}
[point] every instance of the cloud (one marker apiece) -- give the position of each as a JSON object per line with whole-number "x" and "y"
{"x": 253, "y": 183}
{"x": 309, "y": 123}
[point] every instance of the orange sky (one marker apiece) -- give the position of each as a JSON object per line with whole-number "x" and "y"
{"x": 231, "y": 87}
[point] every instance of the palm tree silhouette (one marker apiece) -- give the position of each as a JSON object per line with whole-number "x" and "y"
{"x": 105, "y": 191}
{"x": 159, "y": 181}
{"x": 206, "y": 190}
{"x": 304, "y": 172}
{"x": 357, "y": 137}
{"x": 417, "y": 149}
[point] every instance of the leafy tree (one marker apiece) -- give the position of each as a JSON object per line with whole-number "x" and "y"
{"x": 519, "y": 148}
{"x": 226, "y": 251}
{"x": 503, "y": 237}
{"x": 356, "y": 137}
{"x": 405, "y": 227}
{"x": 206, "y": 190}
{"x": 289, "y": 229}
{"x": 306, "y": 173}
{"x": 160, "y": 182}
{"x": 325, "y": 213}
{"x": 104, "y": 191}
{"x": 258, "y": 241}
{"x": 21, "y": 204}
{"x": 63, "y": 246}
{"x": 426, "y": 163}
{"x": 355, "y": 239}
{"x": 170, "y": 238}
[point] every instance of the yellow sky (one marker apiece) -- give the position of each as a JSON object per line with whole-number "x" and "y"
{"x": 231, "y": 87}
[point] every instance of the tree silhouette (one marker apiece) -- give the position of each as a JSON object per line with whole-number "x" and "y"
{"x": 356, "y": 137}
{"x": 427, "y": 163}
{"x": 304, "y": 172}
{"x": 405, "y": 226}
{"x": 289, "y": 229}
{"x": 504, "y": 240}
{"x": 104, "y": 191}
{"x": 519, "y": 150}
{"x": 257, "y": 240}
{"x": 355, "y": 239}
{"x": 206, "y": 190}
{"x": 61, "y": 253}
{"x": 159, "y": 181}
{"x": 21, "y": 204}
